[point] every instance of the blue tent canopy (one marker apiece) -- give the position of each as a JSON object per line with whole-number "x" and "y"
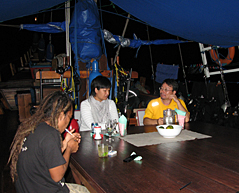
{"x": 213, "y": 22}
{"x": 135, "y": 43}
{"x": 85, "y": 37}
{"x": 12, "y": 9}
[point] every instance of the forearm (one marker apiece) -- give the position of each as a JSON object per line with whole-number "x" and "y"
{"x": 64, "y": 145}
{"x": 187, "y": 118}
{"x": 67, "y": 155}
{"x": 57, "y": 173}
{"x": 148, "y": 121}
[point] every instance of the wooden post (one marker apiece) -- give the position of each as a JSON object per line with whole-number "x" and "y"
{"x": 12, "y": 70}
{"x": 21, "y": 62}
{"x": 5, "y": 103}
{"x": 25, "y": 57}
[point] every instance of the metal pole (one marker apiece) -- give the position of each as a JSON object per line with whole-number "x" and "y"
{"x": 125, "y": 27}
{"x": 227, "y": 102}
{"x": 184, "y": 74}
{"x": 151, "y": 59}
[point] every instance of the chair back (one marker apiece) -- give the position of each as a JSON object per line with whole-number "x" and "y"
{"x": 139, "y": 114}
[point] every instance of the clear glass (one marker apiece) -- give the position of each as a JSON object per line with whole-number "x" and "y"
{"x": 110, "y": 127}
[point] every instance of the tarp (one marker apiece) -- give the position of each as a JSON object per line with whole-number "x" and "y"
{"x": 213, "y": 22}
{"x": 164, "y": 71}
{"x": 11, "y": 9}
{"x": 135, "y": 43}
{"x": 87, "y": 31}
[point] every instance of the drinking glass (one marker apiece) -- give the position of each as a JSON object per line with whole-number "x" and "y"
{"x": 103, "y": 150}
{"x": 109, "y": 128}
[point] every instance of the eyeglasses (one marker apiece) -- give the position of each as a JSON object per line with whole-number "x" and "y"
{"x": 165, "y": 89}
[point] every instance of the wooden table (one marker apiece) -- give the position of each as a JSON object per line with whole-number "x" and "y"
{"x": 209, "y": 165}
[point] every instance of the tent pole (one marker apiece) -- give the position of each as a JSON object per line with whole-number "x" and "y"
{"x": 184, "y": 74}
{"x": 151, "y": 59}
{"x": 125, "y": 27}
{"x": 224, "y": 86}
{"x": 68, "y": 45}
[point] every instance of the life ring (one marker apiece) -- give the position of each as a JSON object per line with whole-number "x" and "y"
{"x": 227, "y": 60}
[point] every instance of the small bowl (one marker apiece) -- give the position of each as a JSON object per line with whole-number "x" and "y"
{"x": 169, "y": 133}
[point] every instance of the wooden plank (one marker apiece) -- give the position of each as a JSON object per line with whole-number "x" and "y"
{"x": 80, "y": 175}
{"x": 132, "y": 121}
{"x": 24, "y": 105}
{"x": 5, "y": 103}
{"x": 170, "y": 165}
{"x": 106, "y": 73}
{"x": 1, "y": 110}
{"x": 9, "y": 97}
{"x": 12, "y": 70}
{"x": 26, "y": 83}
{"x": 83, "y": 74}
{"x": 52, "y": 75}
{"x": 21, "y": 62}
{"x": 86, "y": 74}
{"x": 25, "y": 57}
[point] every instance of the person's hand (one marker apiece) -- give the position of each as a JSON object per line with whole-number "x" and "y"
{"x": 73, "y": 145}
{"x": 68, "y": 137}
{"x": 174, "y": 97}
{"x": 160, "y": 121}
{"x": 75, "y": 136}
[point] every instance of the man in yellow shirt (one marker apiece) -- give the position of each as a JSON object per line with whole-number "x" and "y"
{"x": 167, "y": 100}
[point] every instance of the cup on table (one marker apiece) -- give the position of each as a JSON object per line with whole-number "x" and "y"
{"x": 122, "y": 129}
{"x": 103, "y": 150}
{"x": 181, "y": 120}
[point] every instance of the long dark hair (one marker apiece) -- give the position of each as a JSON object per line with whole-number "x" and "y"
{"x": 49, "y": 110}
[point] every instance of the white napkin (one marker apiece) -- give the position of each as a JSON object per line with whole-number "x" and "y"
{"x": 155, "y": 138}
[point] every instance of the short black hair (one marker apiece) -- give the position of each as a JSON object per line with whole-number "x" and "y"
{"x": 171, "y": 82}
{"x": 99, "y": 82}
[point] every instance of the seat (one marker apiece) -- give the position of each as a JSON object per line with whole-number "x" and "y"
{"x": 139, "y": 117}
{"x": 139, "y": 114}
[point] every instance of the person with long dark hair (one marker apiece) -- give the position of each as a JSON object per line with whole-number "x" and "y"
{"x": 39, "y": 158}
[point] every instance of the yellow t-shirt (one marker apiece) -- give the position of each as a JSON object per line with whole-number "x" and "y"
{"x": 155, "y": 108}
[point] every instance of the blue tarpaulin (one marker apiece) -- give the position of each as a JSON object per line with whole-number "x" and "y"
{"x": 136, "y": 43}
{"x": 164, "y": 71}
{"x": 214, "y": 22}
{"x": 51, "y": 27}
{"x": 87, "y": 32}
